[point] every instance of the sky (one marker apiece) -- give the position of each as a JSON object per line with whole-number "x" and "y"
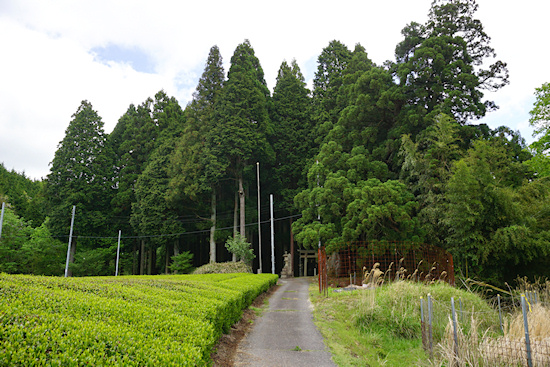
{"x": 56, "y": 53}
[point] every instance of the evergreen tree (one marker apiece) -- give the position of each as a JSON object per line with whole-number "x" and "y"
{"x": 440, "y": 63}
{"x": 152, "y": 215}
{"x": 80, "y": 176}
{"x": 138, "y": 133}
{"x": 196, "y": 172}
{"x": 293, "y": 137}
{"x": 332, "y": 62}
{"x": 426, "y": 169}
{"x": 242, "y": 123}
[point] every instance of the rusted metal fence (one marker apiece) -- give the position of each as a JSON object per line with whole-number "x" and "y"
{"x": 345, "y": 264}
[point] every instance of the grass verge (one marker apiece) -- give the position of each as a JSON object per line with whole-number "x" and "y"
{"x": 381, "y": 326}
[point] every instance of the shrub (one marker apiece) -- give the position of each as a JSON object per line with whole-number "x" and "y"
{"x": 223, "y": 268}
{"x": 182, "y": 263}
{"x": 120, "y": 321}
{"x": 241, "y": 248}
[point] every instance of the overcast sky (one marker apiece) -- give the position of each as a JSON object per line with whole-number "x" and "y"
{"x": 54, "y": 54}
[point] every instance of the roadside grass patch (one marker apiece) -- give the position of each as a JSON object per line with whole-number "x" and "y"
{"x": 381, "y": 326}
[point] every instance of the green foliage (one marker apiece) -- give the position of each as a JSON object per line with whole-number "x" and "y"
{"x": 492, "y": 230}
{"x": 122, "y": 321}
{"x": 540, "y": 120}
{"x": 43, "y": 254}
{"x": 14, "y": 232}
{"x": 426, "y": 169}
{"x": 80, "y": 176}
{"x": 398, "y": 159}
{"x": 332, "y": 63}
{"x": 182, "y": 263}
{"x": 292, "y": 140}
{"x": 347, "y": 201}
{"x": 193, "y": 167}
{"x": 26, "y": 196}
{"x": 242, "y": 122}
{"x": 28, "y": 250}
{"x": 241, "y": 248}
{"x": 439, "y": 64}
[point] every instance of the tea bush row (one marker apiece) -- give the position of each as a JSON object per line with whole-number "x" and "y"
{"x": 100, "y": 321}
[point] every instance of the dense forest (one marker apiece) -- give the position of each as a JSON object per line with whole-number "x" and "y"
{"x": 373, "y": 152}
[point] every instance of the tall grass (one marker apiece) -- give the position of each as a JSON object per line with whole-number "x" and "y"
{"x": 479, "y": 347}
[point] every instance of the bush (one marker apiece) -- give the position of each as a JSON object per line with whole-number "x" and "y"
{"x": 223, "y": 268}
{"x": 243, "y": 250}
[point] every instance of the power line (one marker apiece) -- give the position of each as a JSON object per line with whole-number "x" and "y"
{"x": 158, "y": 235}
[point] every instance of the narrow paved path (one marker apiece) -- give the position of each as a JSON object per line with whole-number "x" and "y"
{"x": 285, "y": 334}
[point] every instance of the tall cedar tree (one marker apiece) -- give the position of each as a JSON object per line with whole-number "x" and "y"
{"x": 196, "y": 171}
{"x": 152, "y": 212}
{"x": 133, "y": 140}
{"x": 242, "y": 123}
{"x": 79, "y": 176}
{"x": 328, "y": 79}
{"x": 293, "y": 138}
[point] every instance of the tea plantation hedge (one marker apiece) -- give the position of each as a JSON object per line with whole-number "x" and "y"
{"x": 120, "y": 321}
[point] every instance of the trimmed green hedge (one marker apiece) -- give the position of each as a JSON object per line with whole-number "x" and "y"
{"x": 110, "y": 321}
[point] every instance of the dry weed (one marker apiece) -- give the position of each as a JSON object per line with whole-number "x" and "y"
{"x": 507, "y": 350}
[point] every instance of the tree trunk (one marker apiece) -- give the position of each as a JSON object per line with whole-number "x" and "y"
{"x": 167, "y": 259}
{"x": 152, "y": 260}
{"x": 142, "y": 258}
{"x": 213, "y": 228}
{"x": 242, "y": 206}
{"x": 176, "y": 251}
{"x": 135, "y": 259}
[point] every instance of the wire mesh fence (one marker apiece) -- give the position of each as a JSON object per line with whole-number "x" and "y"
{"x": 345, "y": 264}
{"x": 520, "y": 339}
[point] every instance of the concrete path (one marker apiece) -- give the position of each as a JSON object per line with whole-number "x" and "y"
{"x": 285, "y": 334}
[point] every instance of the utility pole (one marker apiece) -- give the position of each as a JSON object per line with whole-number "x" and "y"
{"x": 259, "y": 226}
{"x": 69, "y": 247}
{"x": 2, "y": 218}
{"x": 118, "y": 252}
{"x": 272, "y": 236}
